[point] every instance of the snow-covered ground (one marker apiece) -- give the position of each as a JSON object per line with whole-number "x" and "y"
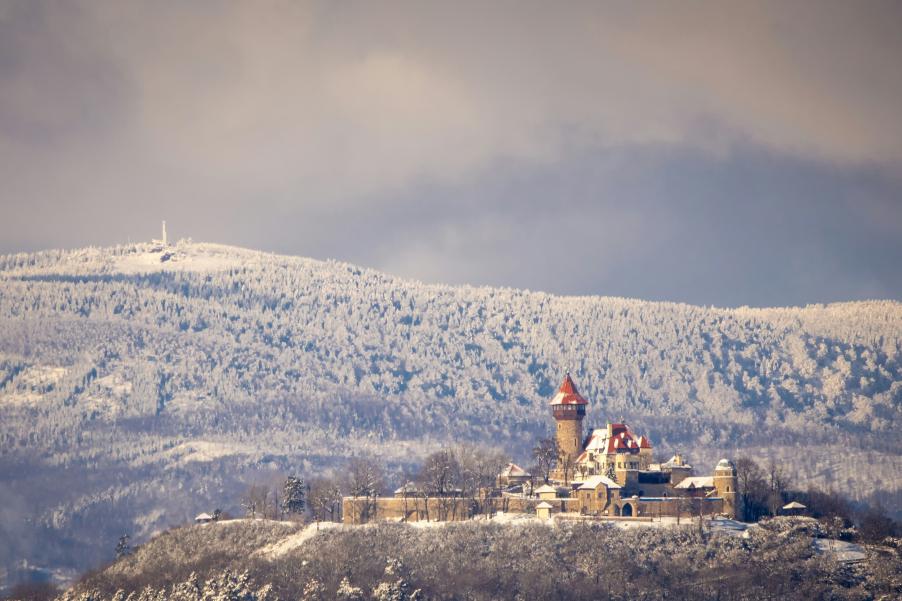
{"x": 204, "y": 451}
{"x": 31, "y": 383}
{"x": 839, "y": 550}
{"x": 293, "y": 541}
{"x": 148, "y": 258}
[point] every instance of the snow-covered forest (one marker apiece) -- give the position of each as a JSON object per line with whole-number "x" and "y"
{"x": 783, "y": 558}
{"x": 140, "y": 385}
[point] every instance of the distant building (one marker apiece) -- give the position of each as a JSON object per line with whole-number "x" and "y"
{"x": 793, "y": 508}
{"x": 203, "y": 518}
{"x": 163, "y": 242}
{"x": 621, "y": 463}
{"x": 611, "y": 474}
{"x": 408, "y": 490}
{"x": 513, "y": 475}
{"x": 543, "y": 510}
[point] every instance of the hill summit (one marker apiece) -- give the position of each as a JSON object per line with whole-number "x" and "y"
{"x": 148, "y": 381}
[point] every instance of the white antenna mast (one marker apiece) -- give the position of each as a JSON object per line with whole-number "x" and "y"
{"x": 164, "y": 232}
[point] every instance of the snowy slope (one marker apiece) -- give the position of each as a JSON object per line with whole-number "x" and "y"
{"x": 146, "y": 383}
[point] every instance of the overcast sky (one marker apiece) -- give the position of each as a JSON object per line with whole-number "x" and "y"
{"x": 687, "y": 151}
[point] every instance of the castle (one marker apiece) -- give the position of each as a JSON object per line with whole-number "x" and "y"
{"x": 612, "y": 471}
{"x": 609, "y": 474}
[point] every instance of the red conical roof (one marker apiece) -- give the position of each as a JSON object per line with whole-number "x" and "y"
{"x": 567, "y": 394}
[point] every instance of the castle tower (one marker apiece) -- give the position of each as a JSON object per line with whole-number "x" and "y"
{"x": 569, "y": 409}
{"x": 726, "y": 482}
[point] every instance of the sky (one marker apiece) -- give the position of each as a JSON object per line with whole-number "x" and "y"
{"x": 716, "y": 153}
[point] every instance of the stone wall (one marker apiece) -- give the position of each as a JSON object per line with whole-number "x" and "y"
{"x": 359, "y": 510}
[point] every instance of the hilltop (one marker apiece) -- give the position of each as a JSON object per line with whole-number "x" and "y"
{"x": 140, "y": 384}
{"x": 497, "y": 559}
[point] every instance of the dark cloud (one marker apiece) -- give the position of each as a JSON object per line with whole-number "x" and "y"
{"x": 692, "y": 151}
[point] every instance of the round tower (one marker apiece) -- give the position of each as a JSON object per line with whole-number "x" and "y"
{"x": 726, "y": 482}
{"x": 569, "y": 409}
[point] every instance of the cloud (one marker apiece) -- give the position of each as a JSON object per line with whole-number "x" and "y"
{"x": 364, "y": 98}
{"x": 287, "y": 123}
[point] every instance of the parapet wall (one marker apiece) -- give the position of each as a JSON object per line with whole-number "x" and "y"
{"x": 359, "y": 510}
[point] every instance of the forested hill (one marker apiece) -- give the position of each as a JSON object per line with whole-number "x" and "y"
{"x": 162, "y": 373}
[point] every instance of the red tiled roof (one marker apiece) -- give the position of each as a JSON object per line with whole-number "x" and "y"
{"x": 567, "y": 394}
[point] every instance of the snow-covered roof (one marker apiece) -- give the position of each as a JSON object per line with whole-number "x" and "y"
{"x": 567, "y": 394}
{"x": 203, "y": 516}
{"x": 544, "y": 505}
{"x": 514, "y": 471}
{"x": 675, "y": 461}
{"x": 545, "y": 488}
{"x": 593, "y": 482}
{"x": 794, "y": 505}
{"x": 617, "y": 439}
{"x": 696, "y": 482}
{"x": 410, "y": 487}
{"x": 725, "y": 464}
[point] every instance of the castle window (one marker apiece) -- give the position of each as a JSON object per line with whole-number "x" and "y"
{"x": 728, "y": 489}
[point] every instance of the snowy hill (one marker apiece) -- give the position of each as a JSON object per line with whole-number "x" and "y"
{"x": 498, "y": 559}
{"x": 140, "y": 384}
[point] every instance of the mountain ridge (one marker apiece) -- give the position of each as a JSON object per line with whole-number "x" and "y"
{"x": 155, "y": 382}
{"x": 69, "y": 255}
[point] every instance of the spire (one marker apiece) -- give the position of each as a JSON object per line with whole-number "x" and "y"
{"x": 567, "y": 394}
{"x": 567, "y": 386}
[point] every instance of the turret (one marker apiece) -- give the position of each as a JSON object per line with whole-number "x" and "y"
{"x": 569, "y": 410}
{"x": 726, "y": 482}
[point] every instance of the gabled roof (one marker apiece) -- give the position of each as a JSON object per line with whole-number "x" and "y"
{"x": 203, "y": 516}
{"x": 544, "y": 505}
{"x": 620, "y": 439}
{"x": 696, "y": 482}
{"x": 672, "y": 462}
{"x": 410, "y": 487}
{"x": 794, "y": 505}
{"x": 545, "y": 488}
{"x": 593, "y": 482}
{"x": 567, "y": 393}
{"x": 515, "y": 471}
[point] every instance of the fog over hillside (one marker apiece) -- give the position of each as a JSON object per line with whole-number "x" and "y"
{"x": 140, "y": 385}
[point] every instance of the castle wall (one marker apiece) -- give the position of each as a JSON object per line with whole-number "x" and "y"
{"x": 598, "y": 503}
{"x": 359, "y": 510}
{"x": 655, "y": 507}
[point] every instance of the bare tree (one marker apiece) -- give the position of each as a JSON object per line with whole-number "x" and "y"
{"x": 684, "y": 506}
{"x": 777, "y": 484}
{"x": 364, "y": 480}
{"x": 753, "y": 488}
{"x": 568, "y": 466}
{"x": 478, "y": 469}
{"x": 255, "y": 500}
{"x": 546, "y": 454}
{"x": 439, "y": 476}
{"x": 324, "y": 498}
